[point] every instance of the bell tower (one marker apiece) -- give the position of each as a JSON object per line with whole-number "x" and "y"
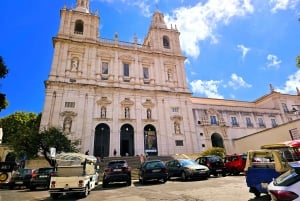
{"x": 161, "y": 38}
{"x": 79, "y": 22}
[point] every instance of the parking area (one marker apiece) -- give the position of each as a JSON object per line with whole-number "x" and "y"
{"x": 213, "y": 189}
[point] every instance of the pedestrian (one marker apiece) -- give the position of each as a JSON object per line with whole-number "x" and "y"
{"x": 87, "y": 152}
{"x": 142, "y": 158}
{"x": 115, "y": 152}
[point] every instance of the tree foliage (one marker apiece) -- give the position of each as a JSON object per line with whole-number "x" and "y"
{"x": 214, "y": 151}
{"x": 54, "y": 137}
{"x": 3, "y": 73}
{"x": 21, "y": 133}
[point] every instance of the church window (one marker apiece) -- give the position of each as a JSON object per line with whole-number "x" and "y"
{"x": 285, "y": 108}
{"x": 213, "y": 120}
{"x": 234, "y": 121}
{"x": 104, "y": 68}
{"x": 70, "y": 104}
{"x": 179, "y": 142}
{"x": 126, "y": 70}
{"x": 146, "y": 72}
{"x": 261, "y": 123}
{"x": 175, "y": 109}
{"x": 127, "y": 114}
{"x": 166, "y": 42}
{"x": 78, "y": 27}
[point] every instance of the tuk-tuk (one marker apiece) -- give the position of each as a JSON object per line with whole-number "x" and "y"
{"x": 7, "y": 169}
{"x": 261, "y": 167}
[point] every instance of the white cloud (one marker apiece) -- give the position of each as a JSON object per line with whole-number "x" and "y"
{"x": 282, "y": 4}
{"x": 273, "y": 61}
{"x": 291, "y": 84}
{"x": 199, "y": 23}
{"x": 208, "y": 88}
{"x": 237, "y": 82}
{"x": 244, "y": 50}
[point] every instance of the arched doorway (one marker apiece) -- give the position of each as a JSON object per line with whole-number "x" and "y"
{"x": 217, "y": 140}
{"x": 102, "y": 140}
{"x": 150, "y": 140}
{"x": 127, "y": 140}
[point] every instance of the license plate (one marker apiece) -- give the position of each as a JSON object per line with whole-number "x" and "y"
{"x": 43, "y": 176}
{"x": 19, "y": 182}
{"x": 117, "y": 170}
{"x": 155, "y": 170}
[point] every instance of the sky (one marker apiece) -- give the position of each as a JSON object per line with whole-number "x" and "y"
{"x": 234, "y": 49}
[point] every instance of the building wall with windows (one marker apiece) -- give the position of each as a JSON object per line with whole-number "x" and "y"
{"x": 134, "y": 98}
{"x": 220, "y": 122}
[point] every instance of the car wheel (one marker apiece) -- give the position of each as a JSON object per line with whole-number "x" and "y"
{"x": 32, "y": 188}
{"x": 183, "y": 176}
{"x": 86, "y": 191}
{"x": 235, "y": 172}
{"x": 128, "y": 182}
{"x": 54, "y": 196}
{"x": 104, "y": 184}
{"x": 164, "y": 180}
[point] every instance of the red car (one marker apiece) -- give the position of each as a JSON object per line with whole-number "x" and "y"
{"x": 235, "y": 163}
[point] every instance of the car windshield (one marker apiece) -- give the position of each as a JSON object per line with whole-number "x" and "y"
{"x": 25, "y": 171}
{"x": 154, "y": 164}
{"x": 288, "y": 178}
{"x": 188, "y": 162}
{"x": 44, "y": 170}
{"x": 116, "y": 163}
{"x": 215, "y": 159}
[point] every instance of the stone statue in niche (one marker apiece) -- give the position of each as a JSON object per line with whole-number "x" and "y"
{"x": 127, "y": 115}
{"x": 74, "y": 65}
{"x": 67, "y": 125}
{"x": 177, "y": 128}
{"x": 148, "y": 113}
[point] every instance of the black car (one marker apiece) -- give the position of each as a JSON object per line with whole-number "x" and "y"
{"x": 116, "y": 171}
{"x": 21, "y": 178}
{"x": 186, "y": 168}
{"x": 214, "y": 163}
{"x": 41, "y": 178}
{"x": 153, "y": 170}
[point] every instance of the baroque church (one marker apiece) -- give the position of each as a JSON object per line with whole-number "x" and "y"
{"x": 129, "y": 98}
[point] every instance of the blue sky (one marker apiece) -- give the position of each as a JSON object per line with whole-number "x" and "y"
{"x": 235, "y": 48}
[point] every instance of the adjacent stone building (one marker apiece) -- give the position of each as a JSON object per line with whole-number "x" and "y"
{"x": 132, "y": 98}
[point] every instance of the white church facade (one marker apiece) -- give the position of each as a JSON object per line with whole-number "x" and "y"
{"x": 133, "y": 98}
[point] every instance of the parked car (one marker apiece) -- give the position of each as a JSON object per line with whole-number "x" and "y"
{"x": 186, "y": 168}
{"x": 22, "y": 178}
{"x": 153, "y": 170}
{"x": 287, "y": 185}
{"x": 235, "y": 163}
{"x": 41, "y": 178}
{"x": 7, "y": 170}
{"x": 117, "y": 171}
{"x": 214, "y": 163}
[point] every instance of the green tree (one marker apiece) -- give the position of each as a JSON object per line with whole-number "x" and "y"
{"x": 21, "y": 133}
{"x": 3, "y": 73}
{"x": 214, "y": 151}
{"x": 54, "y": 137}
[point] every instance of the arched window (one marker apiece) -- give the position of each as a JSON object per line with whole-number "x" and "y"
{"x": 78, "y": 27}
{"x": 166, "y": 42}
